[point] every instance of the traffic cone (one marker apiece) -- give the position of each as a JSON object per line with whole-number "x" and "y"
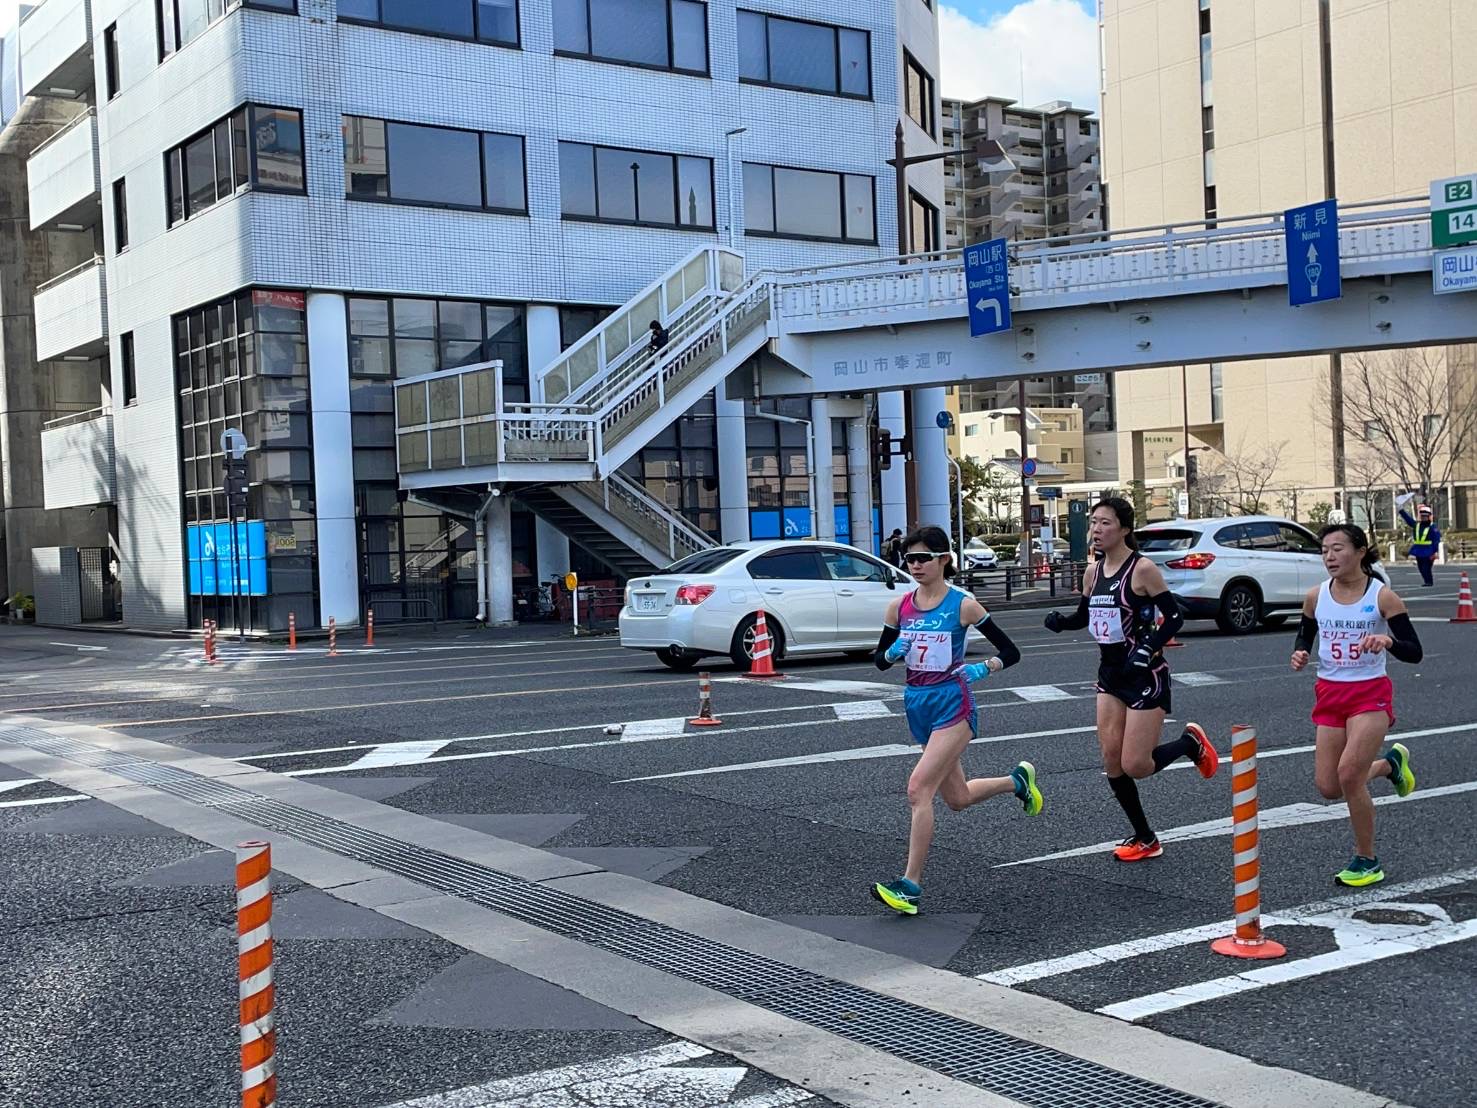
{"x": 1464, "y": 612}
{"x": 705, "y": 716}
{"x": 1158, "y": 623}
{"x": 763, "y": 667}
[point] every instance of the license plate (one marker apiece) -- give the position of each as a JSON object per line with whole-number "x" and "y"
{"x": 648, "y": 603}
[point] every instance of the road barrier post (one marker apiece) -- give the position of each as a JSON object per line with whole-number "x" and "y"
{"x": 332, "y": 637}
{"x": 705, "y": 716}
{"x": 369, "y": 627}
{"x": 210, "y": 655}
{"x": 254, "y": 974}
{"x": 1247, "y": 941}
{"x": 291, "y": 630}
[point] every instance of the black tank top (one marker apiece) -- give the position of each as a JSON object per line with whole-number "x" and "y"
{"x": 1120, "y": 618}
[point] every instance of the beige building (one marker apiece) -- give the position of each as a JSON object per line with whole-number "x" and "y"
{"x": 1053, "y": 436}
{"x": 1234, "y": 107}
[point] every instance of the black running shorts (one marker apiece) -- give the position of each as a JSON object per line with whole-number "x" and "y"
{"x": 1141, "y": 689}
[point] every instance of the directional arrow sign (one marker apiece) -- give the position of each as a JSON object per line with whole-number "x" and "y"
{"x": 1312, "y": 247}
{"x": 986, "y": 279}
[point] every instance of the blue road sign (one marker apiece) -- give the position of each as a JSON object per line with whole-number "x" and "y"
{"x": 1028, "y": 467}
{"x": 944, "y": 420}
{"x": 987, "y": 284}
{"x": 1311, "y": 235}
{"x": 1049, "y": 492}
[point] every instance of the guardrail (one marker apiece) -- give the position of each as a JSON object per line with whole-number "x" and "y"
{"x": 1010, "y": 583}
{"x": 90, "y": 113}
{"x": 77, "y": 417}
{"x": 61, "y": 278}
{"x": 424, "y": 604}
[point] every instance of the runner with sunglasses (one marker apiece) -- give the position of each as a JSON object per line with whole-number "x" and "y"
{"x": 928, "y": 627}
{"x": 1121, "y": 591}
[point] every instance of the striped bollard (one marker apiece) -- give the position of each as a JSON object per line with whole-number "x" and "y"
{"x": 210, "y": 655}
{"x": 369, "y": 627}
{"x": 1248, "y": 941}
{"x": 332, "y": 637}
{"x": 291, "y": 630}
{"x": 254, "y": 970}
{"x": 705, "y": 716}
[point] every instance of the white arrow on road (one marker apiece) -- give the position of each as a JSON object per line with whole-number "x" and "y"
{"x": 983, "y": 305}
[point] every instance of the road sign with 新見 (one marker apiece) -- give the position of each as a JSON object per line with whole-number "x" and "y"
{"x": 1311, "y": 237}
{"x": 1455, "y": 270}
{"x": 1454, "y": 211}
{"x": 987, "y": 284}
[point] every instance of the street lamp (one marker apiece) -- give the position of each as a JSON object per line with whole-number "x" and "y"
{"x": 728, "y": 137}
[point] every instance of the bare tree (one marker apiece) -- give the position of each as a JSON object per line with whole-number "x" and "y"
{"x": 1416, "y": 408}
{"x": 1244, "y": 475}
{"x": 1368, "y": 472}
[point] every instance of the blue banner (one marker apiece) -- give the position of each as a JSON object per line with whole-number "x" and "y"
{"x": 213, "y": 552}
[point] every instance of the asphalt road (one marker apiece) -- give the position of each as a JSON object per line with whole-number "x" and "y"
{"x": 112, "y": 928}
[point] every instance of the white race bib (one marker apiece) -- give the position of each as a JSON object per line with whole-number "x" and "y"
{"x": 1106, "y": 624}
{"x": 930, "y": 651}
{"x": 1340, "y": 650}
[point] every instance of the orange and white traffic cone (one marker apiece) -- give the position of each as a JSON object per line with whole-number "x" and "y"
{"x": 369, "y": 627}
{"x": 763, "y": 667}
{"x": 705, "y": 716}
{"x": 254, "y": 974}
{"x": 291, "y": 630}
{"x": 1464, "y": 612}
{"x": 1248, "y": 940}
{"x": 332, "y": 637}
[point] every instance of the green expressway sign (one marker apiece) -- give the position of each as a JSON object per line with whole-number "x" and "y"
{"x": 1454, "y": 211}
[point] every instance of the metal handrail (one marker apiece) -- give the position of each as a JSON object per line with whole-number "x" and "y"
{"x": 90, "y": 113}
{"x": 93, "y": 262}
{"x": 78, "y": 417}
{"x": 675, "y": 521}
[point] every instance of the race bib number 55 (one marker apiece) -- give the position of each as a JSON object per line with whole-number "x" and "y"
{"x": 930, "y": 651}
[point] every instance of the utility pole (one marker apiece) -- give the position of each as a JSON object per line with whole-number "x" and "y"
{"x": 1025, "y": 482}
{"x": 1185, "y": 426}
{"x": 1330, "y": 189}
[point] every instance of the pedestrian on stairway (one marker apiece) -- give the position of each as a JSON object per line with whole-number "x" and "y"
{"x": 1121, "y": 591}
{"x": 928, "y": 627}
{"x": 1425, "y": 540}
{"x": 1356, "y": 620}
{"x": 659, "y": 337}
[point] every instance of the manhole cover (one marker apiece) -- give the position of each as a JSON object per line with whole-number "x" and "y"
{"x": 1394, "y": 915}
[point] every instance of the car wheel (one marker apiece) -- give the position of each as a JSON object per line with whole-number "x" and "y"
{"x": 680, "y": 660}
{"x": 741, "y": 651}
{"x": 1241, "y": 607}
{"x": 1275, "y": 620}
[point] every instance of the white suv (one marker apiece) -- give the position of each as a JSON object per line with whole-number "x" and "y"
{"x": 1238, "y": 571}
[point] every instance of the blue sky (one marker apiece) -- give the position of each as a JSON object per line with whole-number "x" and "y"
{"x": 1029, "y": 50}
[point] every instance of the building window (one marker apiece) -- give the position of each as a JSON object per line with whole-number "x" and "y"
{"x": 679, "y": 466}
{"x": 659, "y": 34}
{"x": 407, "y": 336}
{"x": 256, "y": 147}
{"x": 779, "y": 478}
{"x": 120, "y": 215}
{"x": 812, "y": 57}
{"x": 918, "y": 94}
{"x": 923, "y": 218}
{"x": 613, "y": 185}
{"x": 494, "y": 21}
{"x": 110, "y": 59}
{"x": 1374, "y": 430}
{"x": 809, "y": 204}
{"x": 130, "y": 376}
{"x": 179, "y": 22}
{"x": 1217, "y": 393}
{"x": 408, "y": 163}
{"x": 575, "y": 323}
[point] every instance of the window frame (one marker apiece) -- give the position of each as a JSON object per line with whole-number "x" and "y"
{"x": 112, "y": 76}
{"x": 476, "y": 37}
{"x": 840, "y": 176}
{"x": 169, "y": 47}
{"x": 835, "y": 29}
{"x": 251, "y": 184}
{"x": 676, "y": 194}
{"x": 120, "y": 215}
{"x": 591, "y": 56}
{"x": 931, "y": 128}
{"x": 360, "y": 198}
{"x": 822, "y": 575}
{"x": 934, "y": 228}
{"x": 130, "y": 372}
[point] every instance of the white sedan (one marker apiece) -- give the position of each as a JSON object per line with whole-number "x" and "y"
{"x": 817, "y": 597}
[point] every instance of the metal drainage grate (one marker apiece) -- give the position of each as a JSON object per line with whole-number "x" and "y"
{"x": 1025, "y": 1072}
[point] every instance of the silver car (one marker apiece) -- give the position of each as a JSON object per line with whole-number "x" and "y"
{"x": 1239, "y": 571}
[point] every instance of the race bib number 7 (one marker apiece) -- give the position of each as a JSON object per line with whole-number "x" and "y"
{"x": 1106, "y": 624}
{"x": 930, "y": 651}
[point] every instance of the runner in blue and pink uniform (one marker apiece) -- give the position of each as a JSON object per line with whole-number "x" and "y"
{"x": 929, "y": 627}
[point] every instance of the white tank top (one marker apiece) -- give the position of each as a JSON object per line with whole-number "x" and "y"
{"x": 1340, "y": 629}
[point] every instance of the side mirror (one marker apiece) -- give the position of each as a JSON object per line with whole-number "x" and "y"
{"x": 891, "y": 582}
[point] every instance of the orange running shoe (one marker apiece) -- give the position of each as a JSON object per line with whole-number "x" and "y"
{"x": 1131, "y": 850}
{"x": 1207, "y": 761}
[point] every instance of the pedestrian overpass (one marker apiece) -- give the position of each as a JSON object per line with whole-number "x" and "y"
{"x": 1204, "y": 292}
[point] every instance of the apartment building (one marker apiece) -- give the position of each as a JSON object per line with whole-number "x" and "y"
{"x": 279, "y": 208}
{"x": 1224, "y": 108}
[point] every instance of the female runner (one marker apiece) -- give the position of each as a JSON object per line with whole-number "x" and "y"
{"x": 1356, "y": 619}
{"x": 1120, "y": 593}
{"x": 928, "y": 627}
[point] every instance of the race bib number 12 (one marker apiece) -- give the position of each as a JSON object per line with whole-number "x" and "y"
{"x": 1106, "y": 624}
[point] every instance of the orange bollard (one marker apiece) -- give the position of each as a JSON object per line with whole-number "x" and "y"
{"x": 1248, "y": 941}
{"x": 254, "y": 974}
{"x": 763, "y": 668}
{"x": 1464, "y": 612}
{"x": 210, "y": 655}
{"x": 291, "y": 630}
{"x": 369, "y": 628}
{"x": 705, "y": 716}
{"x": 332, "y": 637}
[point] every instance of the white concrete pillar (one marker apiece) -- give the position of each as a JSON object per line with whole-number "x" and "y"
{"x": 894, "y": 480}
{"x": 859, "y": 467}
{"x": 553, "y": 550}
{"x": 541, "y": 325}
{"x": 931, "y": 459}
{"x": 825, "y": 482}
{"x": 333, "y": 458}
{"x": 497, "y": 522}
{"x": 733, "y": 469}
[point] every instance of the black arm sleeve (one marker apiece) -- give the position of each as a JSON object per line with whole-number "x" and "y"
{"x": 1307, "y": 633}
{"x": 1055, "y": 621}
{"x": 1404, "y": 645}
{"x": 1009, "y": 653}
{"x": 879, "y": 656}
{"x": 1169, "y": 608}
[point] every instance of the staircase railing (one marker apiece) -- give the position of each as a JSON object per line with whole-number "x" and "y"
{"x": 653, "y": 520}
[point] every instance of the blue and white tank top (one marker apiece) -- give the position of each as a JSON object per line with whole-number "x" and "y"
{"x": 937, "y": 636}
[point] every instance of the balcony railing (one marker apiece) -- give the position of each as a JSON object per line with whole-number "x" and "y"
{"x": 72, "y": 313}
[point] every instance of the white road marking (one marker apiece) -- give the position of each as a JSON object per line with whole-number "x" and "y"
{"x": 9, "y": 786}
{"x": 1039, "y": 694}
{"x": 40, "y": 800}
{"x": 1170, "y": 940}
{"x": 1195, "y": 680}
{"x": 399, "y": 754}
{"x": 1282, "y": 752}
{"x": 77, "y": 646}
{"x": 1288, "y": 815}
{"x": 862, "y": 709}
{"x": 826, "y": 685}
{"x": 1277, "y": 973}
{"x": 644, "y": 730}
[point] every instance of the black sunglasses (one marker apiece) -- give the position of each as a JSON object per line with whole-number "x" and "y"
{"x": 920, "y": 557}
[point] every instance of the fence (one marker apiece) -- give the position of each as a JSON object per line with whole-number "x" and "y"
{"x": 1018, "y": 583}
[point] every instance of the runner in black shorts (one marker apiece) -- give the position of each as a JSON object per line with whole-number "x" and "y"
{"x": 1120, "y": 594}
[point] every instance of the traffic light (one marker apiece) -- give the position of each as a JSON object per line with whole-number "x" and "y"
{"x": 882, "y": 447}
{"x": 1192, "y": 469}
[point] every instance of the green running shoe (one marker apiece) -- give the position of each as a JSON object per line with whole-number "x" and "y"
{"x": 1359, "y": 872}
{"x": 901, "y": 895}
{"x": 1400, "y": 773}
{"x": 1024, "y": 776}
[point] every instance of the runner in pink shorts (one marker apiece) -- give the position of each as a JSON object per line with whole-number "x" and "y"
{"x": 1356, "y": 620}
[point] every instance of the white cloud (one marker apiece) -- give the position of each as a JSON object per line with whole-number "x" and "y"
{"x": 1055, "y": 41}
